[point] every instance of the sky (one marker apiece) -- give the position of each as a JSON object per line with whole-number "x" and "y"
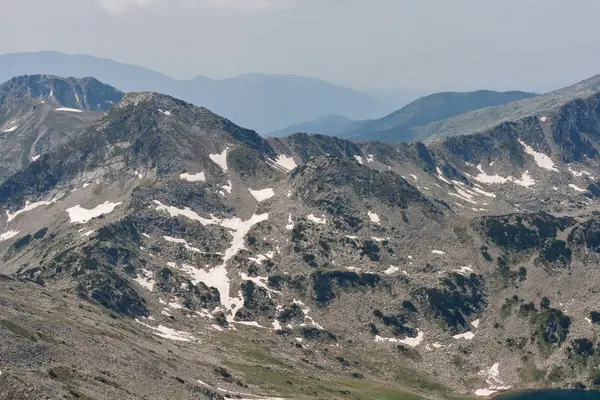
{"x": 420, "y": 45}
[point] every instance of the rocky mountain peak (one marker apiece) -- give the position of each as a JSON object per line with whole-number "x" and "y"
{"x": 87, "y": 94}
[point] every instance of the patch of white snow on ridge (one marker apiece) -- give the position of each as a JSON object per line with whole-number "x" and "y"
{"x": 485, "y": 178}
{"x": 169, "y": 333}
{"x": 260, "y": 282}
{"x": 391, "y": 270}
{"x": 464, "y": 270}
{"x": 67, "y": 109}
{"x": 80, "y": 215}
{"x": 411, "y": 342}
{"x": 525, "y": 181}
{"x": 35, "y": 158}
{"x": 145, "y": 279}
{"x": 220, "y": 159}
{"x": 10, "y": 129}
{"x": 199, "y": 177}
{"x": 414, "y": 177}
{"x": 579, "y": 174}
{"x": 228, "y": 187}
{"x": 8, "y": 235}
{"x": 263, "y": 194}
{"x": 284, "y": 163}
{"x": 438, "y": 252}
{"x": 28, "y": 207}
{"x": 359, "y": 159}
{"x": 370, "y": 158}
{"x": 577, "y": 188}
{"x": 440, "y": 175}
{"x": 466, "y": 335}
{"x": 542, "y": 160}
{"x": 543, "y": 119}
{"x": 492, "y": 378}
{"x": 183, "y": 242}
{"x": 374, "y": 217}
{"x": 317, "y": 220}
{"x": 475, "y": 323}
{"x": 290, "y": 224}
{"x": 217, "y": 276}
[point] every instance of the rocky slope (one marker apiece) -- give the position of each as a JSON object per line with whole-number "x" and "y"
{"x": 400, "y": 125}
{"x": 301, "y": 267}
{"x": 39, "y": 112}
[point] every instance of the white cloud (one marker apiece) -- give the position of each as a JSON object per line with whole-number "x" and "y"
{"x": 121, "y": 6}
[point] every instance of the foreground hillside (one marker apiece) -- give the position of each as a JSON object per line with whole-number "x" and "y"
{"x": 166, "y": 252}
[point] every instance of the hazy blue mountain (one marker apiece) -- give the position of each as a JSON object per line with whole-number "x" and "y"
{"x": 261, "y": 102}
{"x": 333, "y": 125}
{"x": 399, "y": 125}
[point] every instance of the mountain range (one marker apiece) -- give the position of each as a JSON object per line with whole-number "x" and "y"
{"x": 159, "y": 250}
{"x": 399, "y": 126}
{"x": 333, "y": 125}
{"x": 261, "y": 102}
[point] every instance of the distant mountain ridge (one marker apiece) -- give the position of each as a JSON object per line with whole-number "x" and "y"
{"x": 399, "y": 126}
{"x": 487, "y": 118}
{"x": 256, "y": 101}
{"x": 333, "y": 125}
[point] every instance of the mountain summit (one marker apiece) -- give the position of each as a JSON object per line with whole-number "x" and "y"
{"x": 39, "y": 112}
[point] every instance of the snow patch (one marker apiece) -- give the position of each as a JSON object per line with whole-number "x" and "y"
{"x": 7, "y": 235}
{"x": 28, "y": 207}
{"x": 391, "y": 270}
{"x": 475, "y": 323}
{"x": 199, "y": 177}
{"x": 485, "y": 178}
{"x": 228, "y": 187}
{"x": 145, "y": 279}
{"x": 184, "y": 243}
{"x": 359, "y": 159}
{"x": 67, "y": 109}
{"x": 263, "y": 194}
{"x": 80, "y": 215}
{"x": 464, "y": 270}
{"x": 466, "y": 336}
{"x": 283, "y": 163}
{"x": 438, "y": 252}
{"x": 217, "y": 276}
{"x": 220, "y": 159}
{"x": 370, "y": 158}
{"x": 35, "y": 158}
{"x": 290, "y": 224}
{"x": 411, "y": 342}
{"x": 10, "y": 129}
{"x": 577, "y": 188}
{"x": 492, "y": 378}
{"x": 543, "y": 119}
{"x": 440, "y": 175}
{"x": 169, "y": 333}
{"x": 542, "y": 160}
{"x": 374, "y": 217}
{"x": 317, "y": 220}
{"x": 579, "y": 174}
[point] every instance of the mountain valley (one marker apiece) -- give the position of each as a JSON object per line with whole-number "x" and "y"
{"x": 153, "y": 249}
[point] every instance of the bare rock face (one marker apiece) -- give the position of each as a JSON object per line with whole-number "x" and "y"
{"x": 163, "y": 251}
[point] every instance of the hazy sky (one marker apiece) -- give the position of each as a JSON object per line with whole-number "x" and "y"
{"x": 391, "y": 44}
